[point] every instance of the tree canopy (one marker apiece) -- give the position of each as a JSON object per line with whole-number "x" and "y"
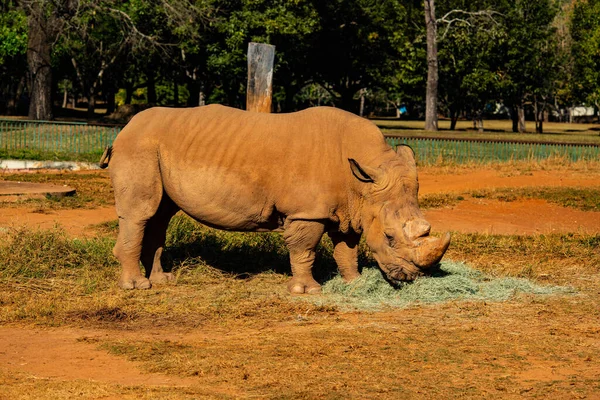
{"x": 534, "y": 57}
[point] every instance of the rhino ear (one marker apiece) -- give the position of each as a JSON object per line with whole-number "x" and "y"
{"x": 405, "y": 149}
{"x": 407, "y": 153}
{"x": 363, "y": 174}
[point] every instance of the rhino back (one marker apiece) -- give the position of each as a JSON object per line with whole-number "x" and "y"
{"x": 238, "y": 168}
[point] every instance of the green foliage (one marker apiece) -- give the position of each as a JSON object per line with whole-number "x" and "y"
{"x": 13, "y": 35}
{"x": 527, "y": 50}
{"x": 524, "y": 52}
{"x": 585, "y": 33}
{"x": 470, "y": 63}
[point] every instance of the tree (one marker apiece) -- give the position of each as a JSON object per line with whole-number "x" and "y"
{"x": 528, "y": 59}
{"x": 459, "y": 16}
{"x": 468, "y": 59}
{"x": 358, "y": 45}
{"x": 44, "y": 24}
{"x": 13, "y": 60}
{"x": 585, "y": 33}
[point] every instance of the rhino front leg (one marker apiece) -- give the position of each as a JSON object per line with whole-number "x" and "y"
{"x": 302, "y": 238}
{"x": 345, "y": 253}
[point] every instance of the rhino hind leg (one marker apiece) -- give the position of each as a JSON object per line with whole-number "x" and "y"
{"x": 302, "y": 238}
{"x": 138, "y": 193}
{"x": 155, "y": 234}
{"x": 345, "y": 253}
{"x": 127, "y": 250}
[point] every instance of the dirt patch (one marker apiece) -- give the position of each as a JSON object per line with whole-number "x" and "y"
{"x": 432, "y": 180}
{"x": 66, "y": 354}
{"x": 78, "y": 222}
{"x": 542, "y": 350}
{"x": 520, "y": 217}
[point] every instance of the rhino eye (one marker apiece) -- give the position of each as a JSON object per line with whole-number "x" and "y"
{"x": 389, "y": 238}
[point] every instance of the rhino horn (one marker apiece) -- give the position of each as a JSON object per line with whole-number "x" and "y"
{"x": 430, "y": 250}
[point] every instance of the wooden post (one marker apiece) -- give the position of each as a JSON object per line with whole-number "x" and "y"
{"x": 260, "y": 77}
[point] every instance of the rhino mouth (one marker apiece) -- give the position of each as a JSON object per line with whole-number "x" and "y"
{"x": 397, "y": 274}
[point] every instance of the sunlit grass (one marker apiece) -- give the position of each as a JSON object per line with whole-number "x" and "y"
{"x": 497, "y": 129}
{"x": 584, "y": 199}
{"x": 48, "y": 278}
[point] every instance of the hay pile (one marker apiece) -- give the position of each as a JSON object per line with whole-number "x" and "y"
{"x": 453, "y": 281}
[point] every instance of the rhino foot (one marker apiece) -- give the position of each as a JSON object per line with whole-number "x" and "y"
{"x": 138, "y": 282}
{"x": 161, "y": 277}
{"x": 301, "y": 286}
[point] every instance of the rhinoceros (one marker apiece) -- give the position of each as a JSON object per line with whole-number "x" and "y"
{"x": 303, "y": 173}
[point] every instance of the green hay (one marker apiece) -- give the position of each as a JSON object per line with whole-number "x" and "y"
{"x": 453, "y": 281}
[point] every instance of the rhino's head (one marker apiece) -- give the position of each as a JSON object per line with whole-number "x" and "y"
{"x": 396, "y": 231}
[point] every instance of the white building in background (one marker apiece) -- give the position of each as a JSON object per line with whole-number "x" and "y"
{"x": 582, "y": 111}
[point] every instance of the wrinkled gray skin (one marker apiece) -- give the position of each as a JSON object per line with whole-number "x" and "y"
{"x": 305, "y": 173}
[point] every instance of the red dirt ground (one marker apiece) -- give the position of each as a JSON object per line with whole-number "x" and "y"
{"x": 61, "y": 353}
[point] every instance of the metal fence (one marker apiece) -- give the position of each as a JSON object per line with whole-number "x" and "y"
{"x": 55, "y": 137}
{"x": 77, "y": 140}
{"x": 438, "y": 150}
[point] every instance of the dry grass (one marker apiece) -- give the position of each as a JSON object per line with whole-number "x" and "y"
{"x": 566, "y": 259}
{"x": 236, "y": 333}
{"x": 48, "y": 278}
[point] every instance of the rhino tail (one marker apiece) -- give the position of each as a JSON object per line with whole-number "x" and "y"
{"x": 104, "y": 160}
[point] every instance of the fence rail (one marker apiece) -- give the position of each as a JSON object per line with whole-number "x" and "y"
{"x": 82, "y": 141}
{"x": 442, "y": 149}
{"x": 37, "y": 138}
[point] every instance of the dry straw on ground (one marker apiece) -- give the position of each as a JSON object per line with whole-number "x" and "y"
{"x": 451, "y": 282}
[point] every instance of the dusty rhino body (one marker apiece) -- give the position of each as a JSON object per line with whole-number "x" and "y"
{"x": 305, "y": 173}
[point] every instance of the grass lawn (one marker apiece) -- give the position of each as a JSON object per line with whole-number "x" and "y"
{"x": 496, "y": 129}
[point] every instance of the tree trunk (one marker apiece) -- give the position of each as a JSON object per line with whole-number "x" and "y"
{"x": 201, "y": 96}
{"x": 431, "y": 97}
{"x": 65, "y": 97}
{"x": 128, "y": 92}
{"x": 453, "y": 121}
{"x": 521, "y": 113}
{"x": 517, "y": 114}
{"x": 538, "y": 118}
{"x": 38, "y": 61}
{"x": 362, "y": 103}
{"x": 110, "y": 101}
{"x": 454, "y": 112}
{"x": 91, "y": 110}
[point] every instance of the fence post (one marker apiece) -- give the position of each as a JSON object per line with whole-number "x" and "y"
{"x": 260, "y": 77}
